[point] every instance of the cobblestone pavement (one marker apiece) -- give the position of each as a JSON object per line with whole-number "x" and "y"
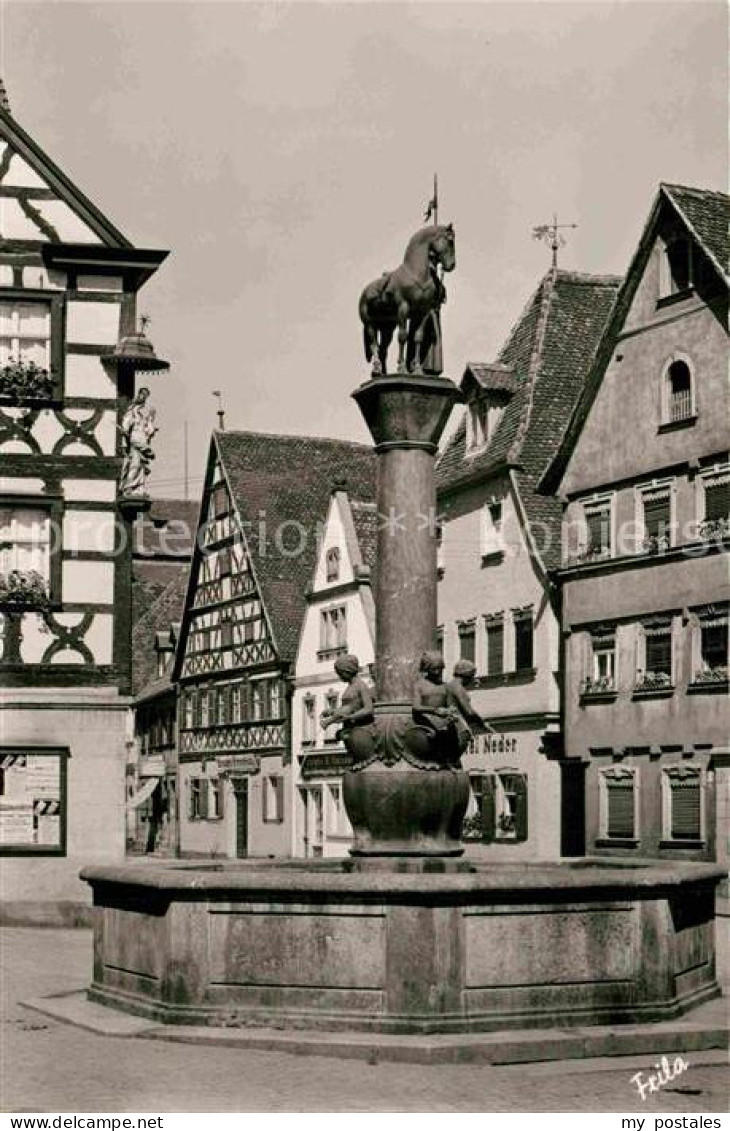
{"x": 50, "y": 1067}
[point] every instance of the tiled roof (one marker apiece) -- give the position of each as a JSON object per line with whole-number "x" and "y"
{"x": 167, "y": 530}
{"x": 283, "y": 481}
{"x": 707, "y": 213}
{"x": 166, "y": 610}
{"x": 365, "y": 518}
{"x": 496, "y": 377}
{"x": 550, "y": 350}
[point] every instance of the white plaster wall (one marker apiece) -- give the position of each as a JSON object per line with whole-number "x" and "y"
{"x": 20, "y": 174}
{"x": 90, "y": 490}
{"x": 95, "y": 322}
{"x": 68, "y": 225}
{"x": 89, "y": 582}
{"x": 35, "y": 639}
{"x": 47, "y": 430}
{"x": 96, "y": 771}
{"x": 88, "y": 530}
{"x": 87, "y": 377}
{"x": 99, "y": 637}
{"x": 14, "y": 224}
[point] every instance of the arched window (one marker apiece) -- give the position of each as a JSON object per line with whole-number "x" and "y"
{"x": 678, "y": 402}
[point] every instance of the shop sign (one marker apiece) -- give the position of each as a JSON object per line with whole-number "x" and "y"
{"x": 237, "y": 764}
{"x": 493, "y": 745}
{"x": 326, "y": 763}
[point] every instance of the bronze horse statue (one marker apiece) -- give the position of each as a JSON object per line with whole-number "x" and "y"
{"x": 409, "y": 299}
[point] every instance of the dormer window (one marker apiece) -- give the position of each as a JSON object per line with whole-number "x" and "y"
{"x": 678, "y": 400}
{"x": 484, "y": 414}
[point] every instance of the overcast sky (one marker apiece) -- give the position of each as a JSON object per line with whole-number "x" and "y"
{"x": 284, "y": 153}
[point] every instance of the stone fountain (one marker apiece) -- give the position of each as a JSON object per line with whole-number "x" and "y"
{"x": 405, "y": 936}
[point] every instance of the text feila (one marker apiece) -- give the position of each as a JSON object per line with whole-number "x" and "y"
{"x": 653, "y": 1081}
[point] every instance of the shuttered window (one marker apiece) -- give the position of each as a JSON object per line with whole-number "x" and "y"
{"x": 717, "y": 500}
{"x": 523, "y": 640}
{"x": 657, "y": 514}
{"x": 467, "y": 642}
{"x": 685, "y": 808}
{"x": 598, "y": 527}
{"x": 495, "y": 647}
{"x": 620, "y": 794}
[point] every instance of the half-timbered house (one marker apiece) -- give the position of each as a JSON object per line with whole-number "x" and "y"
{"x": 68, "y": 290}
{"x": 264, "y": 504}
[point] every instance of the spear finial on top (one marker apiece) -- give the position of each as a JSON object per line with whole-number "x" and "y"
{"x": 432, "y": 208}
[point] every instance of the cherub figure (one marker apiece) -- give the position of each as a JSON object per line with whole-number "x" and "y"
{"x": 356, "y": 705}
{"x": 433, "y": 706}
{"x": 470, "y": 721}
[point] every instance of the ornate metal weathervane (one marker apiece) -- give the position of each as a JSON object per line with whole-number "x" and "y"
{"x": 550, "y": 234}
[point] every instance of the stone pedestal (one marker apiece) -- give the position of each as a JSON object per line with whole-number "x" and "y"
{"x": 402, "y": 795}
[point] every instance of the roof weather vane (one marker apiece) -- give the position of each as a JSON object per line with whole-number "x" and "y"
{"x": 220, "y": 410}
{"x": 550, "y": 234}
{"x": 144, "y": 322}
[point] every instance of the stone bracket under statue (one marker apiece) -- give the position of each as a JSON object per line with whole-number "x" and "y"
{"x": 406, "y": 794}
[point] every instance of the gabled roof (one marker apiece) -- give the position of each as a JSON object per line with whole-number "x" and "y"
{"x": 285, "y": 481}
{"x": 549, "y": 351}
{"x": 29, "y": 150}
{"x": 164, "y": 612}
{"x": 705, "y": 214}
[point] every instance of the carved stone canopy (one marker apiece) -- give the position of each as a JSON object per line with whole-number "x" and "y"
{"x": 137, "y": 352}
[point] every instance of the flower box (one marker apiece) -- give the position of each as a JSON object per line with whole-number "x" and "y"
{"x": 712, "y": 675}
{"x": 473, "y": 828}
{"x": 602, "y": 685}
{"x": 25, "y": 381}
{"x": 714, "y": 528}
{"x": 23, "y": 590}
{"x": 653, "y": 681}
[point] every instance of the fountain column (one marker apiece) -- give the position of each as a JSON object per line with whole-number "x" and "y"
{"x": 404, "y": 796}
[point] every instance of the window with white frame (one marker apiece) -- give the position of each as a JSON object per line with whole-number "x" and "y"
{"x": 333, "y": 631}
{"x": 309, "y": 720}
{"x": 619, "y": 803}
{"x": 491, "y": 532}
{"x": 711, "y": 645}
{"x": 678, "y": 401}
{"x": 221, "y": 706}
{"x": 205, "y": 799}
{"x": 204, "y": 708}
{"x": 510, "y": 805}
{"x": 682, "y": 803}
{"x": 656, "y": 662}
{"x": 494, "y": 623}
{"x": 655, "y": 514}
{"x": 598, "y": 537}
{"x": 273, "y": 798}
{"x": 332, "y": 563}
{"x": 236, "y": 703}
{"x": 188, "y": 710}
{"x": 602, "y": 675}
{"x": 715, "y": 502}
{"x": 331, "y": 702}
{"x": 25, "y": 542}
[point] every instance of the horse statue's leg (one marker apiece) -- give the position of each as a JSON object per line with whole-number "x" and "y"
{"x": 417, "y": 367}
{"x": 386, "y": 337}
{"x": 403, "y": 311}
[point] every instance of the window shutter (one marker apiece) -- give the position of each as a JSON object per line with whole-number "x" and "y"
{"x": 657, "y": 515}
{"x": 192, "y": 783}
{"x": 520, "y": 787}
{"x": 279, "y": 784}
{"x": 620, "y": 802}
{"x": 659, "y": 653}
{"x": 489, "y": 817}
{"x": 204, "y": 790}
{"x": 495, "y": 649}
{"x": 685, "y": 801}
{"x": 717, "y": 500}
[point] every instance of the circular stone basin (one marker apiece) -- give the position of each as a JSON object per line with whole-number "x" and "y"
{"x": 411, "y": 946}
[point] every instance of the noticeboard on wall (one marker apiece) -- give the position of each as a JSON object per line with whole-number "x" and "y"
{"x": 33, "y": 800}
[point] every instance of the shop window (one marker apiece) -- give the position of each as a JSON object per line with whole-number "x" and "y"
{"x": 682, "y": 804}
{"x": 602, "y": 676}
{"x": 677, "y": 392}
{"x": 332, "y": 564}
{"x": 467, "y": 640}
{"x": 500, "y": 807}
{"x": 30, "y": 551}
{"x": 273, "y": 799}
{"x": 656, "y": 667}
{"x": 655, "y": 514}
{"x": 309, "y": 720}
{"x": 31, "y": 346}
{"x": 619, "y": 799}
{"x": 495, "y": 643}
{"x": 33, "y": 800}
{"x": 523, "y": 629}
{"x": 711, "y": 646}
